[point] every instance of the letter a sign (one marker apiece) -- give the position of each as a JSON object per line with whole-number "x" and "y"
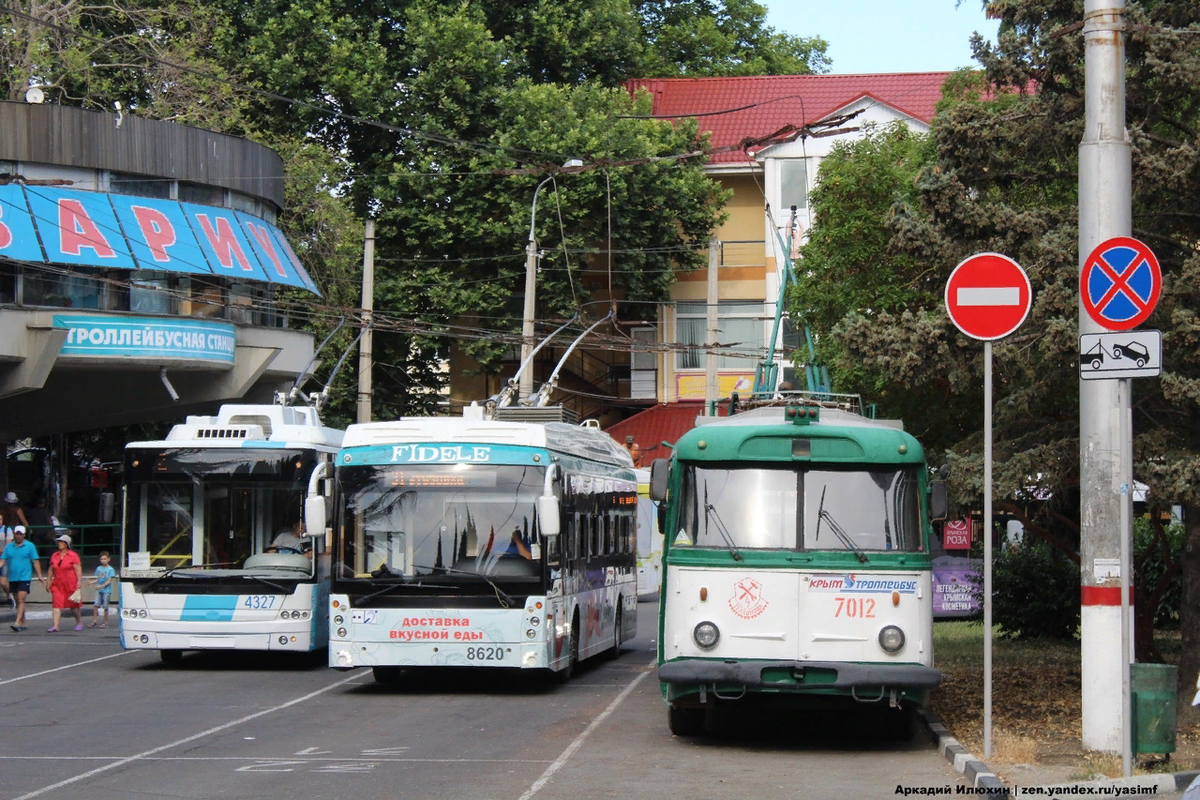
{"x": 988, "y": 296}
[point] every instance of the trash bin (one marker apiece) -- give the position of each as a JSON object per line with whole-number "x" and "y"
{"x": 1153, "y": 690}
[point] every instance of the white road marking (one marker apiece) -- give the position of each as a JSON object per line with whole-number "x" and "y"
{"x": 561, "y": 761}
{"x": 282, "y": 759}
{"x": 67, "y": 666}
{"x": 989, "y": 296}
{"x": 140, "y": 756}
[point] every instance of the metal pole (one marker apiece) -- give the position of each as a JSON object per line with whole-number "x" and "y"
{"x": 1104, "y": 212}
{"x": 711, "y": 334}
{"x": 1126, "y": 422}
{"x": 365, "y": 364}
{"x": 525, "y": 384}
{"x": 987, "y": 549}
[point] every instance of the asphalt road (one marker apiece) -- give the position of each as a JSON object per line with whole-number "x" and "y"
{"x": 85, "y": 720}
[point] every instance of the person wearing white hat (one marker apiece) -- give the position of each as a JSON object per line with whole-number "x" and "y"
{"x": 21, "y": 559}
{"x": 11, "y": 513}
{"x": 66, "y": 573}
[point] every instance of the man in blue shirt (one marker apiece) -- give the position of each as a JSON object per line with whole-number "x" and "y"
{"x": 22, "y": 559}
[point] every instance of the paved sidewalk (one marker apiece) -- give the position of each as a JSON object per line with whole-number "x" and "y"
{"x": 1037, "y": 780}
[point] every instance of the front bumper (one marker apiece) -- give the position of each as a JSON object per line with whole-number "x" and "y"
{"x": 797, "y": 674}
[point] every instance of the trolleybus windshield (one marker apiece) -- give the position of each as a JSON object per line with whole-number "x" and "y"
{"x": 823, "y": 508}
{"x": 459, "y": 521}
{"x": 215, "y": 509}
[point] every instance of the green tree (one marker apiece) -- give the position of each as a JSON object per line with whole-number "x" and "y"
{"x": 1002, "y": 176}
{"x": 704, "y": 38}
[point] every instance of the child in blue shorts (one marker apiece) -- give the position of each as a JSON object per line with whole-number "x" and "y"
{"x": 104, "y": 578}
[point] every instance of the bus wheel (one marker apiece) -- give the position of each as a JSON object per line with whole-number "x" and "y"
{"x": 386, "y": 674}
{"x": 685, "y": 721}
{"x": 170, "y": 656}
{"x": 615, "y": 650}
{"x": 565, "y": 674}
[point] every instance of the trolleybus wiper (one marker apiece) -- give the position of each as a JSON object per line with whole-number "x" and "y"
{"x": 710, "y": 509}
{"x": 272, "y": 584}
{"x": 391, "y": 587}
{"x": 505, "y": 600}
{"x": 844, "y": 537}
{"x": 189, "y": 566}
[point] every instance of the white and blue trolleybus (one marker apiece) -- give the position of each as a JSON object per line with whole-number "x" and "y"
{"x": 217, "y": 556}
{"x": 481, "y": 543}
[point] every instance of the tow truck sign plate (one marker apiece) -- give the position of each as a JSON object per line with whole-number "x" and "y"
{"x": 1124, "y": 354}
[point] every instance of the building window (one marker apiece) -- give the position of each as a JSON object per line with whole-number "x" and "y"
{"x": 199, "y": 193}
{"x": 8, "y": 282}
{"x": 739, "y": 325}
{"x": 793, "y": 183}
{"x": 141, "y": 185}
{"x": 150, "y": 292}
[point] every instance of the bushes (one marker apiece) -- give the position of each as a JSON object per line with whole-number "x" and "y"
{"x": 1036, "y": 588}
{"x": 1035, "y": 592}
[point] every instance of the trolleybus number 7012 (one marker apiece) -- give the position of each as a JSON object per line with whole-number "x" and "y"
{"x": 855, "y": 607}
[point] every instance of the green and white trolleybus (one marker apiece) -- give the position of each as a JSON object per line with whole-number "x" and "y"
{"x": 797, "y": 563}
{"x": 481, "y": 543}
{"x": 215, "y": 558}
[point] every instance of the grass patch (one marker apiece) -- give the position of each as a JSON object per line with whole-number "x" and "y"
{"x": 958, "y": 646}
{"x": 1013, "y": 748}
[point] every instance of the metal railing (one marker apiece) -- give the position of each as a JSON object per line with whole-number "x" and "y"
{"x": 87, "y": 540}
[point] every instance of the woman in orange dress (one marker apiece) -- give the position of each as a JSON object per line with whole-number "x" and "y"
{"x": 66, "y": 571}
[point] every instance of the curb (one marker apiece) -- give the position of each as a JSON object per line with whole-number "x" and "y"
{"x": 980, "y": 776}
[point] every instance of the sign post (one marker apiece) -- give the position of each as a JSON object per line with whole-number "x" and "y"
{"x": 988, "y": 296}
{"x": 1119, "y": 286}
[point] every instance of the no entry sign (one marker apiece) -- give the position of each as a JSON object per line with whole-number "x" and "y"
{"x": 988, "y": 296}
{"x": 1120, "y": 283}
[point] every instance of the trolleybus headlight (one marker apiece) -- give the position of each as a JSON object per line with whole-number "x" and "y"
{"x": 891, "y": 639}
{"x": 341, "y": 632}
{"x": 285, "y": 615}
{"x": 534, "y": 621}
{"x": 706, "y": 635}
{"x": 338, "y": 620}
{"x": 142, "y": 613}
{"x": 303, "y": 615}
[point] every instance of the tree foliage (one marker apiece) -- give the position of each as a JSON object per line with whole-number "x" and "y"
{"x": 1001, "y": 175}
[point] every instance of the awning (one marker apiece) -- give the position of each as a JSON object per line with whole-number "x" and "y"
{"x": 116, "y": 231}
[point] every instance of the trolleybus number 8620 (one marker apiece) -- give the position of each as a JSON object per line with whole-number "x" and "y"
{"x": 485, "y": 653}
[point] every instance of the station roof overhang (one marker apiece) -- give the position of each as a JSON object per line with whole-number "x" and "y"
{"x": 63, "y": 371}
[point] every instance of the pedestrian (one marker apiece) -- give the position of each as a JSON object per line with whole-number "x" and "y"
{"x": 39, "y": 520}
{"x": 21, "y": 559}
{"x": 66, "y": 570}
{"x": 6, "y": 536}
{"x": 11, "y": 514}
{"x": 104, "y": 578}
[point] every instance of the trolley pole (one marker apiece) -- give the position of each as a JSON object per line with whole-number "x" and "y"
{"x": 1104, "y": 212}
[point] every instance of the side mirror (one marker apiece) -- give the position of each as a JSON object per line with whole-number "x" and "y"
{"x": 314, "y": 516}
{"x": 547, "y": 511}
{"x": 660, "y": 470}
{"x": 939, "y": 501}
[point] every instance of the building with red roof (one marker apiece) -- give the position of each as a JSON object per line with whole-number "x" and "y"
{"x": 769, "y": 135}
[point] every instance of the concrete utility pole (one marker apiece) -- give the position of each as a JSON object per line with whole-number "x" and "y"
{"x": 368, "y": 304}
{"x": 1104, "y": 212}
{"x": 711, "y": 332}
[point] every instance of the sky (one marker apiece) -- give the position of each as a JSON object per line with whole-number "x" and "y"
{"x": 887, "y": 35}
